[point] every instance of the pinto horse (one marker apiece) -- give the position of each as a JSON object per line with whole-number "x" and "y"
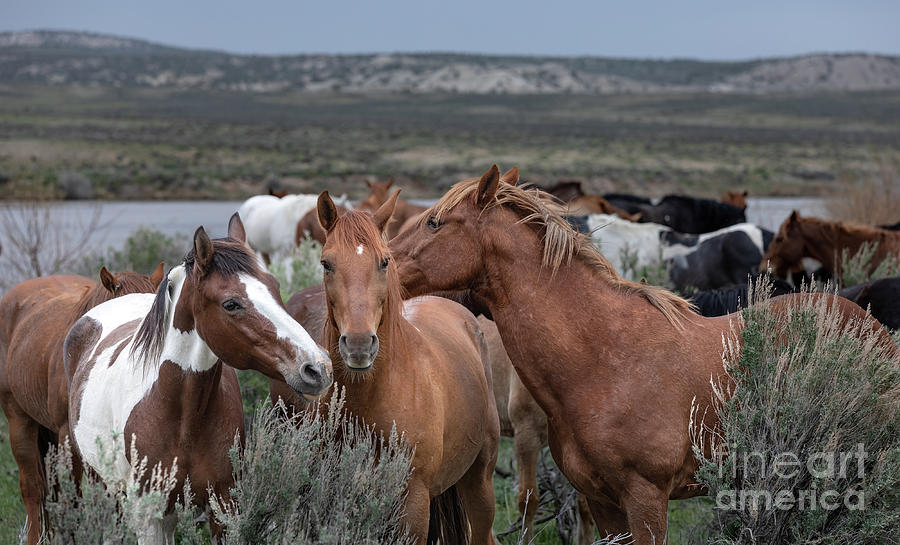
{"x": 417, "y": 365}
{"x": 620, "y": 384}
{"x": 148, "y": 369}
{"x": 824, "y": 241}
{"x": 35, "y": 316}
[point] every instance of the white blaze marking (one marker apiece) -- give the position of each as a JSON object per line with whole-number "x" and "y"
{"x": 286, "y": 327}
{"x": 359, "y": 249}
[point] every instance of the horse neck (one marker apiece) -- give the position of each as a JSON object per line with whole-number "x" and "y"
{"x": 826, "y": 241}
{"x": 187, "y": 386}
{"x": 530, "y": 306}
{"x": 183, "y": 344}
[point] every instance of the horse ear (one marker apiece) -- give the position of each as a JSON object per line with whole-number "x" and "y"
{"x": 794, "y": 217}
{"x": 368, "y": 183}
{"x": 383, "y": 215}
{"x": 511, "y": 177}
{"x": 327, "y": 211}
{"x": 389, "y": 183}
{"x": 158, "y": 274}
{"x": 203, "y": 251}
{"x": 108, "y": 279}
{"x": 236, "y": 229}
{"x": 487, "y": 186}
{"x": 745, "y": 193}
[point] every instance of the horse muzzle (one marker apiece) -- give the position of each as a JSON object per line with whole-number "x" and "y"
{"x": 314, "y": 378}
{"x": 358, "y": 350}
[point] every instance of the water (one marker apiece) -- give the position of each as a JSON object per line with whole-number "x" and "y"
{"x": 121, "y": 218}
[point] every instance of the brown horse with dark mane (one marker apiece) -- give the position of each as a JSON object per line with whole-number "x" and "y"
{"x": 825, "y": 241}
{"x": 619, "y": 384}
{"x": 417, "y": 365}
{"x": 36, "y": 315}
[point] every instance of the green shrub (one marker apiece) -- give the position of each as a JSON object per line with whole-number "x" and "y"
{"x": 115, "y": 514}
{"x": 300, "y": 270}
{"x": 808, "y": 389}
{"x": 317, "y": 478}
{"x": 142, "y": 252}
{"x": 858, "y": 268}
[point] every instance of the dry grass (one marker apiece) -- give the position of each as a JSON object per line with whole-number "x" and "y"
{"x": 871, "y": 200}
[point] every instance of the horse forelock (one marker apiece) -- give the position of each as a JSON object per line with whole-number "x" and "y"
{"x": 561, "y": 243}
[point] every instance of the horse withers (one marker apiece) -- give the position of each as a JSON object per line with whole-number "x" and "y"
{"x": 148, "y": 369}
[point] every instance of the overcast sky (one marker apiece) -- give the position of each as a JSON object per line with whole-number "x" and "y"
{"x": 706, "y": 29}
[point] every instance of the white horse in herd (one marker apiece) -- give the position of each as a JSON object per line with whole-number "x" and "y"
{"x": 270, "y": 221}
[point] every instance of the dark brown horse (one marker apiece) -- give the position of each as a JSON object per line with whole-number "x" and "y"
{"x": 35, "y": 316}
{"x": 146, "y": 370}
{"x": 825, "y": 241}
{"x": 619, "y": 384}
{"x": 417, "y": 365}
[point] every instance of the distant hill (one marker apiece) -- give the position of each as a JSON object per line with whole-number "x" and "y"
{"x": 57, "y": 58}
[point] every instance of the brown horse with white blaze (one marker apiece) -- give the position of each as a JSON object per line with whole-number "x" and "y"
{"x": 149, "y": 369}
{"x": 35, "y": 316}
{"x": 619, "y": 384}
{"x": 417, "y": 365}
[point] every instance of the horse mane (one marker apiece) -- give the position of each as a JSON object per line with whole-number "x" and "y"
{"x": 849, "y": 228}
{"x": 130, "y": 282}
{"x": 561, "y": 243}
{"x": 230, "y": 257}
{"x": 355, "y": 227}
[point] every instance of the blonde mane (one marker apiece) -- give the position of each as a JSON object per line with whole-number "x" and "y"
{"x": 561, "y": 243}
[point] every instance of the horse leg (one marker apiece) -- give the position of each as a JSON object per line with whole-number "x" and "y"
{"x": 476, "y": 491}
{"x": 527, "y": 450}
{"x": 609, "y": 519}
{"x": 23, "y": 438}
{"x": 417, "y": 509}
{"x": 585, "y": 526}
{"x": 646, "y": 507}
{"x": 530, "y": 435}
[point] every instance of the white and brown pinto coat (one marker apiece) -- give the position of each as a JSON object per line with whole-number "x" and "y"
{"x": 149, "y": 369}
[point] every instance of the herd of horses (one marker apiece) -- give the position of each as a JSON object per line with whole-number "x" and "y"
{"x": 499, "y": 309}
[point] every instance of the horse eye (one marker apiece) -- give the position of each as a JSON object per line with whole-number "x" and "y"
{"x": 433, "y": 223}
{"x": 231, "y": 305}
{"x": 779, "y": 239}
{"x": 327, "y": 266}
{"x": 384, "y": 264}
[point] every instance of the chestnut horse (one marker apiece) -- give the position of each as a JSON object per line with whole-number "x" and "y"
{"x": 619, "y": 384}
{"x": 35, "y": 316}
{"x": 417, "y": 365}
{"x": 403, "y": 212}
{"x": 147, "y": 369}
{"x": 824, "y": 241}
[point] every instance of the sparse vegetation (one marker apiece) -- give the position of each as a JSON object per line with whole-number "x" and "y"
{"x": 316, "y": 478}
{"x": 300, "y": 269}
{"x": 813, "y": 410}
{"x": 142, "y": 252}
{"x": 858, "y": 268}
{"x": 869, "y": 199}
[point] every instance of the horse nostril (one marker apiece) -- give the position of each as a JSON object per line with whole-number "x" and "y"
{"x": 373, "y": 340}
{"x": 310, "y": 373}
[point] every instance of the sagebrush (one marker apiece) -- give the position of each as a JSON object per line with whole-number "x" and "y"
{"x": 807, "y": 385}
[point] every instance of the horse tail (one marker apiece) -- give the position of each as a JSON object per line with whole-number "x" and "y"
{"x": 447, "y": 521}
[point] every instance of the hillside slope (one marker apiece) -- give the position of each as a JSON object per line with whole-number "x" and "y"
{"x": 57, "y": 57}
